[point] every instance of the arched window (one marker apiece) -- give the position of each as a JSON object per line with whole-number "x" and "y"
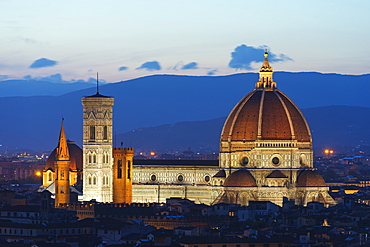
{"x": 94, "y": 158}
{"x": 50, "y": 177}
{"x": 94, "y": 180}
{"x": 89, "y": 156}
{"x": 89, "y": 180}
{"x": 92, "y": 133}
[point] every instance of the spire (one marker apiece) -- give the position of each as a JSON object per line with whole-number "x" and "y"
{"x": 266, "y": 82}
{"x": 62, "y": 149}
{"x": 97, "y": 83}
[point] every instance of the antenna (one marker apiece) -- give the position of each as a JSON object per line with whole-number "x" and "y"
{"x": 97, "y": 83}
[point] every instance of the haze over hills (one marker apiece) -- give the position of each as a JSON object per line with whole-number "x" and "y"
{"x": 34, "y": 121}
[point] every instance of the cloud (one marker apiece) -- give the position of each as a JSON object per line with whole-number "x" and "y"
{"x": 212, "y": 72}
{"x": 122, "y": 68}
{"x": 57, "y": 78}
{"x": 243, "y": 56}
{"x": 3, "y": 77}
{"x": 153, "y": 65}
{"x": 43, "y": 62}
{"x": 192, "y": 65}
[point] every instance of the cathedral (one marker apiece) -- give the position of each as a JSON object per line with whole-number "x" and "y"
{"x": 265, "y": 154}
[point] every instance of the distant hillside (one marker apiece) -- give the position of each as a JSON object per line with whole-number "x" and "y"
{"x": 33, "y": 122}
{"x": 337, "y": 127}
{"x": 199, "y": 135}
{"x": 39, "y": 88}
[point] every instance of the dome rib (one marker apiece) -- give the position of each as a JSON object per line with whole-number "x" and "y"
{"x": 302, "y": 130}
{"x": 260, "y": 114}
{"x": 287, "y": 114}
{"x": 275, "y": 124}
{"x": 228, "y": 129}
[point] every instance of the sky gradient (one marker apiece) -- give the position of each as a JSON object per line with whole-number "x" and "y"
{"x": 128, "y": 39}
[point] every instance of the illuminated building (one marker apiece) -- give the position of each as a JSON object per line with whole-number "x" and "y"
{"x": 122, "y": 175}
{"x": 62, "y": 185}
{"x": 265, "y": 155}
{"x": 66, "y": 160}
{"x": 97, "y": 148}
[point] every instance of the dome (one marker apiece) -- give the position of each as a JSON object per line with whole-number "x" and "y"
{"x": 265, "y": 114}
{"x": 310, "y": 178}
{"x": 240, "y": 178}
{"x": 75, "y": 153}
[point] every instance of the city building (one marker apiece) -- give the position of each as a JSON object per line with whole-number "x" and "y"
{"x": 265, "y": 155}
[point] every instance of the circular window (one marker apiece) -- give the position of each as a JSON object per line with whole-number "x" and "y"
{"x": 153, "y": 177}
{"x": 207, "y": 178}
{"x": 275, "y": 161}
{"x": 245, "y": 161}
{"x": 180, "y": 178}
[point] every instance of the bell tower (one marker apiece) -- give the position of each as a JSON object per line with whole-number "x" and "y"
{"x": 62, "y": 162}
{"x": 122, "y": 175}
{"x": 97, "y": 148}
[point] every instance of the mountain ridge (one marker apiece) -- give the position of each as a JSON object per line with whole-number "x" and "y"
{"x": 34, "y": 121}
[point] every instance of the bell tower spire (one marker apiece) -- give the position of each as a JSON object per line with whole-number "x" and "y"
{"x": 62, "y": 164}
{"x": 266, "y": 82}
{"x": 62, "y": 150}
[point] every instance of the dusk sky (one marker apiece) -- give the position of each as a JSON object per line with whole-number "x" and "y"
{"x": 128, "y": 39}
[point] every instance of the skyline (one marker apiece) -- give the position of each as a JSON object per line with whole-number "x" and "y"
{"x": 65, "y": 41}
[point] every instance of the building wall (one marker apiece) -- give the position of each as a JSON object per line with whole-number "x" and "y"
{"x": 158, "y": 193}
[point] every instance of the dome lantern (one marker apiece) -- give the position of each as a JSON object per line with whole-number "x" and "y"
{"x": 266, "y": 82}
